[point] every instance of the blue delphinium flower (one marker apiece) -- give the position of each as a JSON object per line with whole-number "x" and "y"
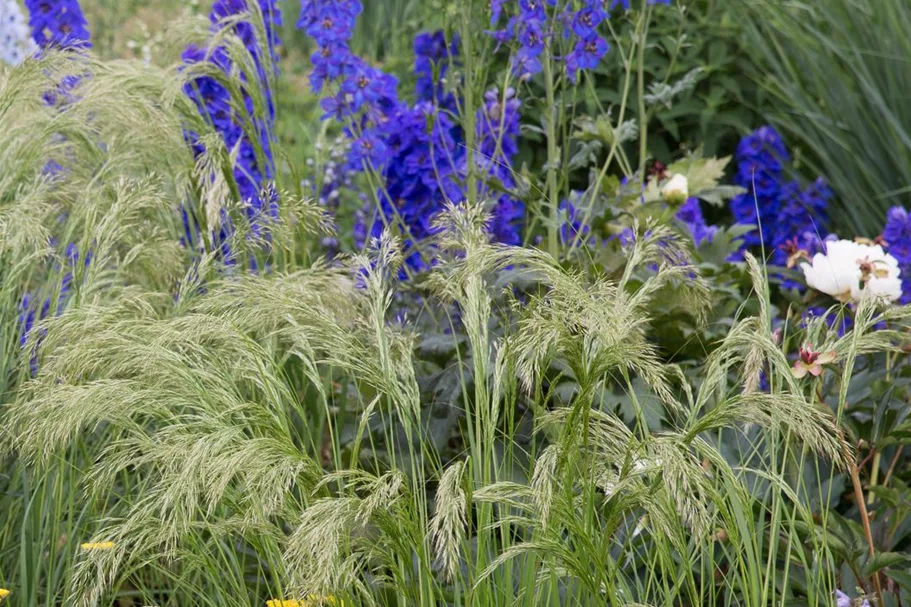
{"x": 419, "y": 150}
{"x": 575, "y": 228}
{"x": 759, "y": 170}
{"x": 800, "y": 213}
{"x": 58, "y": 23}
{"x": 585, "y": 23}
{"x": 788, "y": 216}
{"x": 690, "y": 213}
{"x": 15, "y": 39}
{"x": 433, "y": 57}
{"x": 331, "y": 25}
{"x": 586, "y": 55}
{"x": 497, "y": 139}
{"x": 897, "y": 236}
{"x": 534, "y": 26}
{"x": 252, "y": 171}
{"x": 420, "y": 176}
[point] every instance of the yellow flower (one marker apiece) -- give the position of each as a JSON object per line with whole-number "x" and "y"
{"x": 3, "y": 593}
{"x": 97, "y": 546}
{"x": 281, "y": 603}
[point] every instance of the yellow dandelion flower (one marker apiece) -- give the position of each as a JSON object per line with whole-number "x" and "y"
{"x": 4, "y": 593}
{"x": 97, "y": 546}
{"x": 281, "y": 603}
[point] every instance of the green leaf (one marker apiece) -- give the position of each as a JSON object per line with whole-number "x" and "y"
{"x": 701, "y": 173}
{"x": 902, "y": 578}
{"x": 719, "y": 194}
{"x": 882, "y": 560}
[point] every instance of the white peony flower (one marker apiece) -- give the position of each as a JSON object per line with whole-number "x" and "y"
{"x": 851, "y": 271}
{"x": 677, "y": 189}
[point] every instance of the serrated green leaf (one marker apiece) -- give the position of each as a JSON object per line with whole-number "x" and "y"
{"x": 719, "y": 194}
{"x": 701, "y": 173}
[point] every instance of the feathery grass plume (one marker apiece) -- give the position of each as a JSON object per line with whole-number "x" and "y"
{"x": 382, "y": 493}
{"x": 395, "y": 373}
{"x": 749, "y": 346}
{"x": 788, "y": 413}
{"x": 197, "y": 410}
{"x": 315, "y": 550}
{"x": 609, "y": 438}
{"x": 93, "y": 546}
{"x": 309, "y": 601}
{"x": 597, "y": 326}
{"x": 667, "y": 249}
{"x": 544, "y": 483}
{"x": 372, "y": 532}
{"x": 447, "y": 527}
{"x": 215, "y": 191}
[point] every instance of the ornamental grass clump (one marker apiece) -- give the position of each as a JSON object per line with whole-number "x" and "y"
{"x": 201, "y": 407}
{"x": 206, "y": 412}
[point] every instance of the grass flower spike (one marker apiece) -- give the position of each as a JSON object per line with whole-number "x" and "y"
{"x": 97, "y": 546}
{"x": 310, "y": 601}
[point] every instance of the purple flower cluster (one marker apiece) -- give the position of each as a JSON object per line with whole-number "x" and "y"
{"x": 690, "y": 213}
{"x": 576, "y": 214}
{"x": 897, "y": 236}
{"x": 433, "y": 58}
{"x": 790, "y": 219}
{"x": 419, "y": 149}
{"x": 574, "y": 227}
{"x": 534, "y": 25}
{"x": 254, "y": 166}
{"x": 497, "y": 140}
{"x": 420, "y": 176}
{"x": 361, "y": 91}
{"x": 58, "y": 23}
